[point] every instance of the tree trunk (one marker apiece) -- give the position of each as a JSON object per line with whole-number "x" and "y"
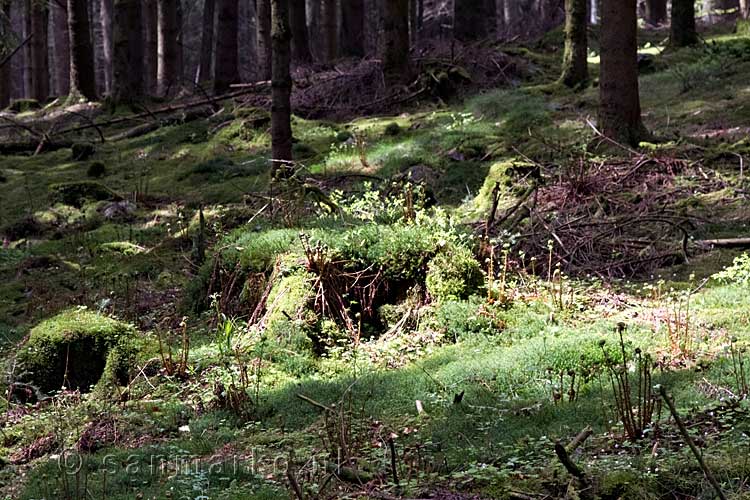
{"x": 150, "y": 45}
{"x": 167, "y": 32}
{"x": 744, "y": 9}
{"x": 28, "y": 52}
{"x": 106, "y": 15}
{"x": 329, "y": 29}
{"x": 300, "y": 39}
{"x": 595, "y": 12}
{"x": 5, "y": 71}
{"x": 470, "y": 19}
{"x": 180, "y": 62}
{"x": 263, "y": 13}
{"x": 353, "y": 28}
{"x": 207, "y": 41}
{"x": 619, "y": 103}
{"x": 575, "y": 70}
{"x": 683, "y": 32}
{"x": 396, "y": 41}
{"x": 82, "y": 75}
{"x": 60, "y": 49}
{"x": 281, "y": 109}
{"x": 127, "y": 36}
{"x": 39, "y": 53}
{"x": 656, "y": 12}
{"x": 313, "y": 28}
{"x": 226, "y": 71}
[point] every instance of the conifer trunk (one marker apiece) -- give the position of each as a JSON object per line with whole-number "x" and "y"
{"x": 207, "y": 41}
{"x": 127, "y": 55}
{"x": 396, "y": 41}
{"x": 60, "y": 48}
{"x": 226, "y": 71}
{"x": 575, "y": 71}
{"x": 150, "y": 45}
{"x": 263, "y": 14}
{"x": 106, "y": 18}
{"x": 329, "y": 29}
{"x": 5, "y": 71}
{"x": 683, "y": 32}
{"x": 39, "y": 54}
{"x": 82, "y": 76}
{"x": 619, "y": 102}
{"x": 656, "y": 12}
{"x": 281, "y": 109}
{"x": 353, "y": 28}
{"x": 470, "y": 19}
{"x": 167, "y": 33}
{"x": 300, "y": 39}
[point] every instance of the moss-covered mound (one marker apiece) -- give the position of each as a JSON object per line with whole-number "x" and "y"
{"x": 76, "y": 349}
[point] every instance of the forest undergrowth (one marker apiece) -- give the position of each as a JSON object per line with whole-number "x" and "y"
{"x": 478, "y": 299}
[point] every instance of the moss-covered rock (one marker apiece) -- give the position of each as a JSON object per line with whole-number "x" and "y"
{"x": 96, "y": 170}
{"x": 76, "y": 193}
{"x": 76, "y": 349}
{"x": 24, "y": 105}
{"x": 453, "y": 274}
{"x": 82, "y": 151}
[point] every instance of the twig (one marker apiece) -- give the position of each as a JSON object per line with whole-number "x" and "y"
{"x": 690, "y": 443}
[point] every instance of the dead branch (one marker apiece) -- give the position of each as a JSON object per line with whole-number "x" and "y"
{"x": 563, "y": 453}
{"x": 7, "y": 58}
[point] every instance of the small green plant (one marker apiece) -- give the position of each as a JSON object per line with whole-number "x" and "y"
{"x": 453, "y": 274}
{"x": 634, "y": 406}
{"x": 738, "y": 354}
{"x": 738, "y": 273}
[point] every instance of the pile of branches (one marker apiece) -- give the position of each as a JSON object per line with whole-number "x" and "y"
{"x": 614, "y": 218}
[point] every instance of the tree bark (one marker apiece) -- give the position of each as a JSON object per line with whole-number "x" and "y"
{"x": 353, "y": 28}
{"x": 575, "y": 70}
{"x": 619, "y": 102}
{"x": 396, "y": 43}
{"x": 82, "y": 75}
{"x": 281, "y": 109}
{"x": 127, "y": 36}
{"x": 150, "y": 45}
{"x": 683, "y": 32}
{"x": 60, "y": 49}
{"x": 300, "y": 39}
{"x": 5, "y": 71}
{"x": 226, "y": 71}
{"x": 329, "y": 29}
{"x": 39, "y": 54}
{"x": 167, "y": 78}
{"x": 207, "y": 41}
{"x": 470, "y": 20}
{"x": 263, "y": 13}
{"x": 656, "y": 12}
{"x": 106, "y": 17}
{"x": 744, "y": 9}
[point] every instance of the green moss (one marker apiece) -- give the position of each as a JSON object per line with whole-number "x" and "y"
{"x": 75, "y": 349}
{"x": 76, "y": 193}
{"x": 453, "y": 273}
{"x": 24, "y": 105}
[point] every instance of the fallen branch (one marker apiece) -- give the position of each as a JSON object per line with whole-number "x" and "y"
{"x": 7, "y": 58}
{"x": 725, "y": 243}
{"x": 690, "y": 443}
{"x": 563, "y": 453}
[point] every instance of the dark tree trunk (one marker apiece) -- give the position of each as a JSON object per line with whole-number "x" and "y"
{"x": 180, "y": 63}
{"x": 106, "y": 16}
{"x": 167, "y": 64}
{"x": 683, "y": 31}
{"x": 150, "y": 45}
{"x": 575, "y": 70}
{"x": 207, "y": 41}
{"x": 656, "y": 12}
{"x": 82, "y": 75}
{"x": 470, "y": 19}
{"x": 127, "y": 34}
{"x": 60, "y": 49}
{"x": 263, "y": 13}
{"x": 396, "y": 40}
{"x": 28, "y": 66}
{"x": 5, "y": 71}
{"x": 39, "y": 54}
{"x": 619, "y": 103}
{"x": 281, "y": 109}
{"x": 313, "y": 28}
{"x": 226, "y": 71}
{"x": 329, "y": 29}
{"x": 353, "y": 28}
{"x": 300, "y": 39}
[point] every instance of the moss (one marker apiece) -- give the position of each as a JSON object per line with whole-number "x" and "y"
{"x": 75, "y": 349}
{"x": 24, "y": 105}
{"x": 77, "y": 192}
{"x": 96, "y": 170}
{"x": 392, "y": 129}
{"x": 82, "y": 151}
{"x": 453, "y": 274}
{"x": 121, "y": 247}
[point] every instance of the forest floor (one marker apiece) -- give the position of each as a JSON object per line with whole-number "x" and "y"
{"x": 346, "y": 333}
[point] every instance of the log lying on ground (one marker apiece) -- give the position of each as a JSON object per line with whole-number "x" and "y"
{"x": 725, "y": 243}
{"x": 30, "y": 147}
